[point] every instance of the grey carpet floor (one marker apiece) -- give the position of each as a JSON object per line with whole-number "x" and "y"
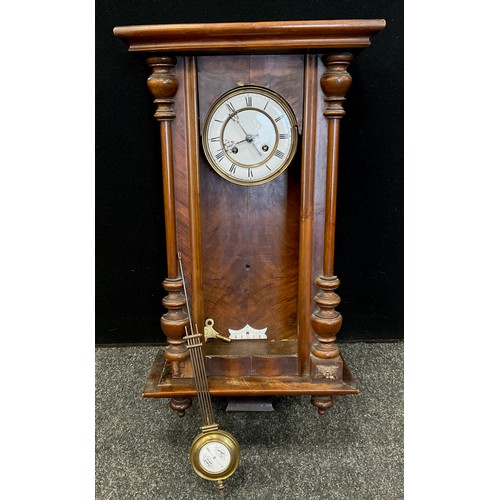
{"x": 355, "y": 451}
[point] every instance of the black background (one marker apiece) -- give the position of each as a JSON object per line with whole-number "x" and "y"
{"x": 130, "y": 234}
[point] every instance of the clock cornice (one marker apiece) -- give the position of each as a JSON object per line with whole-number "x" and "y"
{"x": 251, "y": 37}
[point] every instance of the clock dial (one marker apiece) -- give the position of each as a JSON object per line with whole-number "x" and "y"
{"x": 214, "y": 457}
{"x": 250, "y": 135}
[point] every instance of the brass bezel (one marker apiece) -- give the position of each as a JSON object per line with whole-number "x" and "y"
{"x": 271, "y": 95}
{"x": 222, "y": 437}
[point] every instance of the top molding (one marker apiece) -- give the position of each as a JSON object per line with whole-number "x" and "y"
{"x": 279, "y": 36}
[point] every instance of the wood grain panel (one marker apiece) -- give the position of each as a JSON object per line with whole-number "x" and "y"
{"x": 181, "y": 174}
{"x": 307, "y": 211}
{"x": 250, "y": 234}
{"x": 192, "y": 142}
{"x": 250, "y": 348}
{"x": 250, "y": 253}
{"x": 219, "y": 74}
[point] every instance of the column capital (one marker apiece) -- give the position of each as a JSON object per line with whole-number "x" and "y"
{"x": 335, "y": 83}
{"x": 163, "y": 85}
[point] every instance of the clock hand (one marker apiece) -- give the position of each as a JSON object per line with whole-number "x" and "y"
{"x": 249, "y": 137}
{"x": 246, "y": 139}
{"x": 253, "y": 144}
{"x": 230, "y": 144}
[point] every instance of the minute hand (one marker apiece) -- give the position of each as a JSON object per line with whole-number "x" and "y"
{"x": 249, "y": 137}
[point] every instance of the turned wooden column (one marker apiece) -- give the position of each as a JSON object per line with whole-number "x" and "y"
{"x": 163, "y": 86}
{"x": 326, "y": 362}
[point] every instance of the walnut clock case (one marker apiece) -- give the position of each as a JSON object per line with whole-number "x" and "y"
{"x": 249, "y": 117}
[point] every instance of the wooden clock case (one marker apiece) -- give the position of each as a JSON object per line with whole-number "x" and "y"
{"x": 258, "y": 255}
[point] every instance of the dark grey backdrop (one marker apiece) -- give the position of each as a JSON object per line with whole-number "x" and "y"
{"x": 130, "y": 241}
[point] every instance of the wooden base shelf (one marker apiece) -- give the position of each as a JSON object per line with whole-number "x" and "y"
{"x": 250, "y": 358}
{"x": 160, "y": 384}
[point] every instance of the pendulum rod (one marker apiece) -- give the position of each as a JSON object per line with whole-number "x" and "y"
{"x": 194, "y": 346}
{"x": 201, "y": 382}
{"x": 179, "y": 257}
{"x": 201, "y": 386}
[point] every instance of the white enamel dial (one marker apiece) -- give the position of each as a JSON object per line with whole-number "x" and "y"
{"x": 250, "y": 135}
{"x": 214, "y": 457}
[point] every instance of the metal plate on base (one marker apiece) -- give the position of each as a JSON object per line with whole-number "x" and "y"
{"x": 249, "y": 404}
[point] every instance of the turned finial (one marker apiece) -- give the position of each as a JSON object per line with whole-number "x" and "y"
{"x": 163, "y": 85}
{"x": 335, "y": 83}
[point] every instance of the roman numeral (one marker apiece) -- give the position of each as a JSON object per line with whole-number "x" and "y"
{"x": 279, "y": 154}
{"x": 214, "y": 139}
{"x": 232, "y": 169}
{"x": 248, "y": 100}
{"x": 268, "y": 168}
{"x": 284, "y": 136}
{"x": 231, "y": 108}
{"x": 219, "y": 156}
{"x": 266, "y": 105}
{"x": 250, "y": 173}
{"x": 220, "y": 121}
{"x": 279, "y": 118}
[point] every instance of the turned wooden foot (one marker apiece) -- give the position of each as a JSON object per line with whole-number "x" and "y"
{"x": 180, "y": 405}
{"x": 322, "y": 403}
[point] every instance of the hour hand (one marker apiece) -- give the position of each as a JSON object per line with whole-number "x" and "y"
{"x": 230, "y": 144}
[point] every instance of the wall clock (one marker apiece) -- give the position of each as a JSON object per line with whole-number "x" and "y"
{"x": 249, "y": 117}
